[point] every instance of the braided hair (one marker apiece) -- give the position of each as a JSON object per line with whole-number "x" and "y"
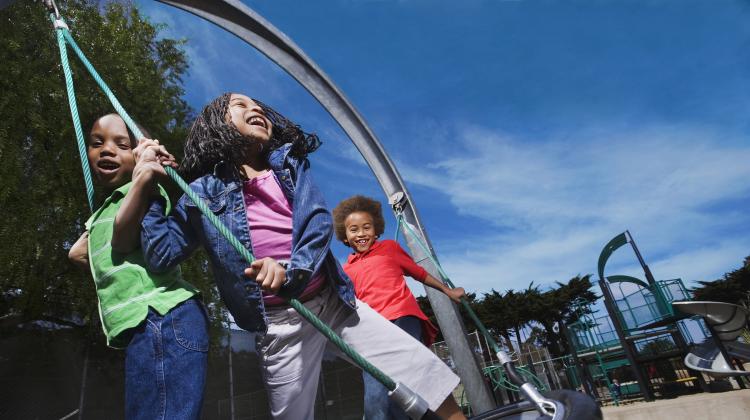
{"x": 214, "y": 138}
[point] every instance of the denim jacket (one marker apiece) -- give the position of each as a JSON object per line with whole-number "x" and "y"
{"x": 168, "y": 240}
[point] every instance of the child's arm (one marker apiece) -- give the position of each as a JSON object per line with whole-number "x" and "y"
{"x": 312, "y": 227}
{"x": 166, "y": 239}
{"x": 416, "y": 272}
{"x": 455, "y": 294}
{"x": 79, "y": 252}
{"x": 126, "y": 233}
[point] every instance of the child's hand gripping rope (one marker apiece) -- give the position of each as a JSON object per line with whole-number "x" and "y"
{"x": 151, "y": 157}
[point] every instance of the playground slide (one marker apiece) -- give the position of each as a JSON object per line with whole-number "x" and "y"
{"x": 708, "y": 358}
{"x": 738, "y": 350}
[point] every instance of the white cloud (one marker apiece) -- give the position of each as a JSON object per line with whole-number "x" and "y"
{"x": 546, "y": 208}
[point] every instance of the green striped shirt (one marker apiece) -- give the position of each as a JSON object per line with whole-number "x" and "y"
{"x": 123, "y": 285}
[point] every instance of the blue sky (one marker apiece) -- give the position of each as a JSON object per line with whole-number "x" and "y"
{"x": 528, "y": 132}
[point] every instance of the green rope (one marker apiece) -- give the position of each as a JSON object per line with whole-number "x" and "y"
{"x": 408, "y": 229}
{"x": 236, "y": 244}
{"x": 491, "y": 341}
{"x": 499, "y": 379}
{"x": 74, "y": 113}
{"x": 399, "y": 220}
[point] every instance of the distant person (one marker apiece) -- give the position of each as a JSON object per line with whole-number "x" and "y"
{"x": 156, "y": 317}
{"x": 249, "y": 165}
{"x": 616, "y": 391}
{"x": 377, "y": 269}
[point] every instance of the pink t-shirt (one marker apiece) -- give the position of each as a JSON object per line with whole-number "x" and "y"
{"x": 269, "y": 215}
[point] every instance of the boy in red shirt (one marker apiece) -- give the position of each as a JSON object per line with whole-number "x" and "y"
{"x": 377, "y": 270}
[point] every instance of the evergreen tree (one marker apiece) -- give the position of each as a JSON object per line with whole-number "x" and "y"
{"x": 733, "y": 287}
{"x": 559, "y": 306}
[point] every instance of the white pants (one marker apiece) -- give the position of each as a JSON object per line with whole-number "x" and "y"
{"x": 292, "y": 350}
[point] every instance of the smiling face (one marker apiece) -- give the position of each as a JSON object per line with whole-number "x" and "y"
{"x": 249, "y": 118}
{"x": 110, "y": 152}
{"x": 360, "y": 231}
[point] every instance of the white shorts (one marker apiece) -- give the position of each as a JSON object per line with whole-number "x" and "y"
{"x": 292, "y": 350}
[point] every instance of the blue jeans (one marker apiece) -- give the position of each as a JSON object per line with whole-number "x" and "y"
{"x": 165, "y": 364}
{"x": 377, "y": 404}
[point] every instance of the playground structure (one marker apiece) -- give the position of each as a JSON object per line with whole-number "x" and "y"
{"x": 679, "y": 346}
{"x": 644, "y": 341}
{"x": 601, "y": 356}
{"x": 671, "y": 344}
{"x": 647, "y": 327}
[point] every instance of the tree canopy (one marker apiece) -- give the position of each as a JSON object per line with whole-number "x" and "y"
{"x": 733, "y": 287}
{"x": 506, "y": 314}
{"x": 42, "y": 194}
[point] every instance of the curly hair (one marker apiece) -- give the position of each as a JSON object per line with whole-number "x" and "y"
{"x": 214, "y": 138}
{"x": 355, "y": 204}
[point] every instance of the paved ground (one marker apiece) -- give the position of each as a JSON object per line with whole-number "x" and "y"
{"x": 729, "y": 405}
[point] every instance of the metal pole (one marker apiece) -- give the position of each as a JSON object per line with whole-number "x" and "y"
{"x": 578, "y": 365}
{"x": 83, "y": 379}
{"x": 231, "y": 377}
{"x": 646, "y": 270}
{"x": 725, "y": 354}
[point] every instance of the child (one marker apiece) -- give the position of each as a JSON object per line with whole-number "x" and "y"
{"x": 248, "y": 164}
{"x": 157, "y": 318}
{"x": 616, "y": 389}
{"x": 377, "y": 270}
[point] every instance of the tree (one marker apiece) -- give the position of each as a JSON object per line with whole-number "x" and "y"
{"x": 733, "y": 287}
{"x": 563, "y": 305}
{"x": 497, "y": 315}
{"x": 42, "y": 194}
{"x": 509, "y": 311}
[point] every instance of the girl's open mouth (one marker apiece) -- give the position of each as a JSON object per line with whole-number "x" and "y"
{"x": 260, "y": 122}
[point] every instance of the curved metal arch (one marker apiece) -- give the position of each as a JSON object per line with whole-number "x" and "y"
{"x": 240, "y": 20}
{"x": 608, "y": 250}
{"x": 628, "y": 279}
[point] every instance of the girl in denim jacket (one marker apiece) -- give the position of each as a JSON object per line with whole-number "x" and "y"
{"x": 248, "y": 163}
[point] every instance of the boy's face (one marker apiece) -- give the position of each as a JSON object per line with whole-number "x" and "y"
{"x": 360, "y": 231}
{"x": 249, "y": 118}
{"x": 110, "y": 152}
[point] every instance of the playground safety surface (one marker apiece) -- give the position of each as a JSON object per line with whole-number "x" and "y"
{"x": 724, "y": 405}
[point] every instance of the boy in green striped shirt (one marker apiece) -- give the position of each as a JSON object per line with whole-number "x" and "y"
{"x": 156, "y": 317}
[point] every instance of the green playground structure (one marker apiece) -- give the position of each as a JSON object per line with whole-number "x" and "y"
{"x": 642, "y": 340}
{"x": 636, "y": 350}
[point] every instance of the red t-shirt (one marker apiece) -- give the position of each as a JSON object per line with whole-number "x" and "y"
{"x": 378, "y": 277}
